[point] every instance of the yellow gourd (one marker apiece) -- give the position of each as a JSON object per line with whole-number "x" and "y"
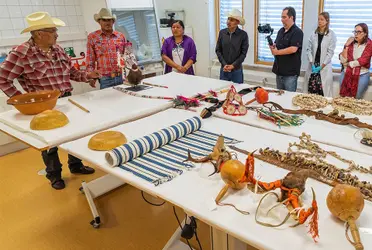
{"x": 106, "y": 140}
{"x": 49, "y": 119}
{"x": 231, "y": 172}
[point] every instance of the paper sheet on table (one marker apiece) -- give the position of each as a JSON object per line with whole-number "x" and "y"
{"x": 108, "y": 108}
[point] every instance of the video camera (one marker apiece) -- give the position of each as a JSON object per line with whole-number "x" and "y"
{"x": 167, "y": 22}
{"x": 266, "y": 29}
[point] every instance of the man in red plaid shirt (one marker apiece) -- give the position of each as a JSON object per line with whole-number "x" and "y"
{"x": 41, "y": 64}
{"x": 103, "y": 47}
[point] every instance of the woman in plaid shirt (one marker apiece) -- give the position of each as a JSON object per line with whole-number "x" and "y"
{"x": 41, "y": 64}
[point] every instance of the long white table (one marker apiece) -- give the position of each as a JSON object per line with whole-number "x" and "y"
{"x": 320, "y": 131}
{"x": 194, "y": 191}
{"x": 108, "y": 108}
{"x": 186, "y": 85}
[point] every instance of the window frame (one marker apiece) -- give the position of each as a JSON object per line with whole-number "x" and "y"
{"x": 142, "y": 11}
{"x": 218, "y": 17}
{"x": 256, "y": 14}
{"x": 320, "y": 10}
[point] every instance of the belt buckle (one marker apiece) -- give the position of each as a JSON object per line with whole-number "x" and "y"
{"x": 113, "y": 74}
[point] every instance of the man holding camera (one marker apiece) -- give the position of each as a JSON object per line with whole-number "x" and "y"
{"x": 287, "y": 52}
{"x": 232, "y": 47}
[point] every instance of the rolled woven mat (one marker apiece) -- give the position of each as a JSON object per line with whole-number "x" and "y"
{"x": 146, "y": 144}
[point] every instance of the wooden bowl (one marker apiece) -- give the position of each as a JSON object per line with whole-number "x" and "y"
{"x": 49, "y": 119}
{"x": 107, "y": 140}
{"x": 35, "y": 102}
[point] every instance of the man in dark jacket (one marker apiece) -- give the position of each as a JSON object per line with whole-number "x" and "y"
{"x": 232, "y": 47}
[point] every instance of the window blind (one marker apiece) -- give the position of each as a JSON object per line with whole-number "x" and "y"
{"x": 152, "y": 34}
{"x": 344, "y": 15}
{"x": 225, "y": 7}
{"x": 127, "y": 23}
{"x": 270, "y": 11}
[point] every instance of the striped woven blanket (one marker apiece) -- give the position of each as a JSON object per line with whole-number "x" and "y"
{"x": 158, "y": 157}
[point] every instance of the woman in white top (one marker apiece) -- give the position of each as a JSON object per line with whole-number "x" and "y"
{"x": 320, "y": 51}
{"x": 356, "y": 61}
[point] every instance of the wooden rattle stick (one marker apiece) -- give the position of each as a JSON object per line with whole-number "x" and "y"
{"x": 355, "y": 234}
{"x": 249, "y": 102}
{"x": 261, "y": 96}
{"x": 222, "y": 193}
{"x": 78, "y": 105}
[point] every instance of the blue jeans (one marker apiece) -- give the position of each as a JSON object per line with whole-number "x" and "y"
{"x": 107, "y": 82}
{"x": 362, "y": 85}
{"x": 235, "y": 76}
{"x": 288, "y": 83}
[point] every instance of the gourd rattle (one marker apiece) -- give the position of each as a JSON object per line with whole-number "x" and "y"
{"x": 347, "y": 203}
{"x": 232, "y": 173}
{"x": 261, "y": 96}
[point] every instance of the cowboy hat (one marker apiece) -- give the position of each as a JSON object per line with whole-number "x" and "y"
{"x": 104, "y": 14}
{"x": 236, "y": 14}
{"x": 41, "y": 20}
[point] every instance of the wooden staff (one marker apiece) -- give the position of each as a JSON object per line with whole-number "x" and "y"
{"x": 154, "y": 85}
{"x": 332, "y": 117}
{"x": 78, "y": 105}
{"x": 142, "y": 96}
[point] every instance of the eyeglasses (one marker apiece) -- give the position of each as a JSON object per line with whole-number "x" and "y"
{"x": 357, "y": 32}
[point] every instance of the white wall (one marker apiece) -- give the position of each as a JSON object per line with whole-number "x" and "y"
{"x": 89, "y": 8}
{"x": 13, "y": 13}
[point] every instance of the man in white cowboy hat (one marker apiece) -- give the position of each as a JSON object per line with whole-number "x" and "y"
{"x": 232, "y": 47}
{"x": 41, "y": 64}
{"x": 103, "y": 47}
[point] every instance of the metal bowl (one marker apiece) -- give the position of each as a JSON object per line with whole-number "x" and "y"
{"x": 35, "y": 102}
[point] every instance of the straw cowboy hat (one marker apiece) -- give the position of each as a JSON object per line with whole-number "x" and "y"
{"x": 236, "y": 14}
{"x": 41, "y": 20}
{"x": 104, "y": 14}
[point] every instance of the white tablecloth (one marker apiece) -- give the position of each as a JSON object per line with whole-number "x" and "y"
{"x": 182, "y": 84}
{"x": 194, "y": 191}
{"x": 320, "y": 131}
{"x": 108, "y": 108}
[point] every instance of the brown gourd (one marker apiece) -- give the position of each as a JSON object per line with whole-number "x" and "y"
{"x": 347, "y": 203}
